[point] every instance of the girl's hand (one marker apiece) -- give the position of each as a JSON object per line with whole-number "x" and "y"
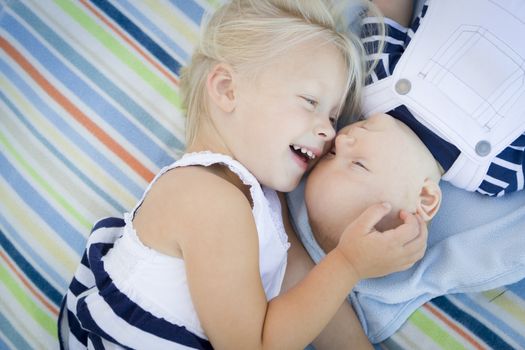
{"x": 371, "y": 253}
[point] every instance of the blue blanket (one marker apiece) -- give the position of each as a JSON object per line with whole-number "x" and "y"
{"x": 475, "y": 243}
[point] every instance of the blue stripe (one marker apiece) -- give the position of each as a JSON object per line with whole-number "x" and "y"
{"x": 190, "y": 8}
{"x": 518, "y": 289}
{"x": 97, "y": 342}
{"x": 40, "y": 206}
{"x": 416, "y": 23}
{"x": 490, "y": 317}
{"x": 146, "y": 23}
{"x": 12, "y": 334}
{"x": 36, "y": 278}
{"x": 380, "y": 70}
{"x": 90, "y": 326}
{"x": 28, "y": 250}
{"x": 76, "y": 287}
{"x": 66, "y": 130}
{"x": 3, "y": 345}
{"x": 88, "y": 95}
{"x": 388, "y": 48}
{"x": 139, "y": 35}
{"x": 443, "y": 151}
{"x": 472, "y": 324}
{"x": 126, "y": 309}
{"x": 72, "y": 326}
{"x": 395, "y": 33}
{"x": 392, "y": 61}
{"x": 520, "y": 141}
{"x": 70, "y": 165}
{"x": 504, "y": 174}
{"x": 490, "y": 188}
{"x": 511, "y": 155}
{"x": 138, "y": 317}
{"x": 84, "y": 261}
{"x": 108, "y": 222}
{"x": 393, "y": 51}
{"x": 105, "y": 84}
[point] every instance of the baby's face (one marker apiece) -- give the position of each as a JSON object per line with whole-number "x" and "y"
{"x": 367, "y": 165}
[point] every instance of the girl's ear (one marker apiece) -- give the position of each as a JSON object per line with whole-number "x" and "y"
{"x": 429, "y": 200}
{"x": 221, "y": 88}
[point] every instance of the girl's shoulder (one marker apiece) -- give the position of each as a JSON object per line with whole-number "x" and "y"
{"x": 189, "y": 202}
{"x": 195, "y": 183}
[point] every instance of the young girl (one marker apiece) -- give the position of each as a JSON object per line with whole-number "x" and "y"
{"x": 200, "y": 261}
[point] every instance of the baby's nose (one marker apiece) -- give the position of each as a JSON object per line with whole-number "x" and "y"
{"x": 344, "y": 143}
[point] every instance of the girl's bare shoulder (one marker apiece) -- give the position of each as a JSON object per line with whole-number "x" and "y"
{"x": 189, "y": 201}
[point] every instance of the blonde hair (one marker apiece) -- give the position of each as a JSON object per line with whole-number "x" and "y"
{"x": 247, "y": 34}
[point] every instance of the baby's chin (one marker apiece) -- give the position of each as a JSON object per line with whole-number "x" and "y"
{"x": 322, "y": 237}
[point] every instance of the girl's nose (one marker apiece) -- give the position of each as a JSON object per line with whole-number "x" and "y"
{"x": 325, "y": 130}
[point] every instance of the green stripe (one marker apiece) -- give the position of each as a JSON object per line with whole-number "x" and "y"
{"x": 46, "y": 322}
{"x": 114, "y": 45}
{"x": 215, "y": 3}
{"x": 434, "y": 331}
{"x": 37, "y": 179}
{"x": 510, "y": 306}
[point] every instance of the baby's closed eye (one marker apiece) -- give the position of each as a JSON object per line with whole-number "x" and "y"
{"x": 360, "y": 165}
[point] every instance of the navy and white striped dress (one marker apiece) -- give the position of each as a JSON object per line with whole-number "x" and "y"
{"x": 506, "y": 172}
{"x": 127, "y": 295}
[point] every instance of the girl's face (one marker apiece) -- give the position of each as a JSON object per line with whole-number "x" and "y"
{"x": 286, "y": 116}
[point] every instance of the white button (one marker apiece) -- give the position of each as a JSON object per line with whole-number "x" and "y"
{"x": 403, "y": 86}
{"x": 483, "y": 148}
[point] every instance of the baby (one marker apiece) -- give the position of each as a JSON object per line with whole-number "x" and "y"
{"x": 407, "y": 182}
{"x": 375, "y": 160}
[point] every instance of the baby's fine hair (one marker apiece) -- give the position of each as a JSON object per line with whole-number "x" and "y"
{"x": 247, "y": 34}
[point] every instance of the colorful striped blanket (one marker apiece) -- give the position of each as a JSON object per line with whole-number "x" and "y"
{"x": 89, "y": 112}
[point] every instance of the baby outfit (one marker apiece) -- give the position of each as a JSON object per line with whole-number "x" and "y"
{"x": 127, "y": 295}
{"x": 457, "y": 79}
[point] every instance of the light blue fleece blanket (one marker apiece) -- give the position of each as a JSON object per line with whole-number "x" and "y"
{"x": 475, "y": 243}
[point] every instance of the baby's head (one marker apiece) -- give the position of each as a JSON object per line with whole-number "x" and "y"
{"x": 375, "y": 160}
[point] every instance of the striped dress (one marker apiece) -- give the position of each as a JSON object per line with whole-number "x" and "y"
{"x": 506, "y": 172}
{"x": 126, "y": 295}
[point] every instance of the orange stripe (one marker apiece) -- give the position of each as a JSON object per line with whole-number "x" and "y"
{"x": 131, "y": 43}
{"x": 454, "y": 327}
{"x": 76, "y": 113}
{"x": 49, "y": 306}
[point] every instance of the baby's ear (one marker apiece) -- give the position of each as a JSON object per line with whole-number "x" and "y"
{"x": 220, "y": 87}
{"x": 429, "y": 199}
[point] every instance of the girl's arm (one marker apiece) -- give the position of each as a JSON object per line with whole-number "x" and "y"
{"x": 344, "y": 330}
{"x": 214, "y": 227}
{"x": 397, "y": 10}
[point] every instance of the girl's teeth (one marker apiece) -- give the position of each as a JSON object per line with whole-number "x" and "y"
{"x": 303, "y": 150}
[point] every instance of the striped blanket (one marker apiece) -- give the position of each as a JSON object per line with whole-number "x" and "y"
{"x": 89, "y": 112}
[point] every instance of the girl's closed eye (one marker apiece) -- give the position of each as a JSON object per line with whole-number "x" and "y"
{"x": 312, "y": 103}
